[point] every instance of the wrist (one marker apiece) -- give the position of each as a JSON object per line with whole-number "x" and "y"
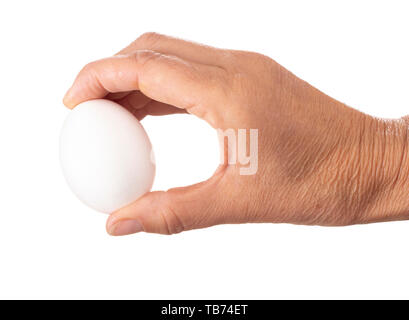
{"x": 388, "y": 171}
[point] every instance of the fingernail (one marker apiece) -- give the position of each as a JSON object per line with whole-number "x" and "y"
{"x": 124, "y": 227}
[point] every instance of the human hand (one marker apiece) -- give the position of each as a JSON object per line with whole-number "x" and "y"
{"x": 319, "y": 161}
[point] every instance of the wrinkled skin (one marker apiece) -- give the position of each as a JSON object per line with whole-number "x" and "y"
{"x": 320, "y": 162}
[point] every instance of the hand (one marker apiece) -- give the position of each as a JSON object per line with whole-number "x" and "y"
{"x": 319, "y": 161}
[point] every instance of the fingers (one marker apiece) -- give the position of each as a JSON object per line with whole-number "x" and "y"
{"x": 166, "y": 79}
{"x": 173, "y": 211}
{"x": 117, "y": 95}
{"x": 134, "y": 100}
{"x": 177, "y": 47}
{"x": 154, "y": 108}
{"x": 141, "y": 106}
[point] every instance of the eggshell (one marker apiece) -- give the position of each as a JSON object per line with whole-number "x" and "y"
{"x": 106, "y": 155}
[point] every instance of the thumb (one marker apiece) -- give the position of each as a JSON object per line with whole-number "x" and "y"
{"x": 172, "y": 211}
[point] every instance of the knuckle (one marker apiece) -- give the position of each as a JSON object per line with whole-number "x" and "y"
{"x": 236, "y": 58}
{"x": 89, "y": 67}
{"x": 240, "y": 59}
{"x": 172, "y": 223}
{"x": 149, "y": 38}
{"x": 144, "y": 57}
{"x": 246, "y": 55}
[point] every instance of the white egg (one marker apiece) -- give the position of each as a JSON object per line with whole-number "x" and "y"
{"x": 106, "y": 155}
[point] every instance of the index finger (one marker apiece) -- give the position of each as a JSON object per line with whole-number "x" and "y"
{"x": 164, "y": 78}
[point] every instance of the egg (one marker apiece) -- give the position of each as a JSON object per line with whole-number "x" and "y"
{"x": 106, "y": 156}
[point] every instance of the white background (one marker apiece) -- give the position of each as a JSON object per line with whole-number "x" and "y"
{"x": 52, "y": 246}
